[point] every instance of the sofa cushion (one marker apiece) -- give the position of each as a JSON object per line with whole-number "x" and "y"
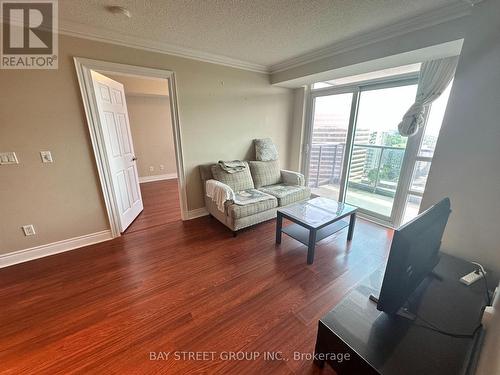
{"x": 237, "y": 181}
{"x": 287, "y": 194}
{"x": 292, "y": 178}
{"x": 265, "y": 172}
{"x": 265, "y": 150}
{"x": 262, "y": 202}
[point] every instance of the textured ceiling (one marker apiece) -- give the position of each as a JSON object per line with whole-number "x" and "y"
{"x": 264, "y": 32}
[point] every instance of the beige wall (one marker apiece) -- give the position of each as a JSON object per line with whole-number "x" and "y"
{"x": 221, "y": 110}
{"x": 140, "y": 85}
{"x": 466, "y": 165}
{"x": 151, "y": 127}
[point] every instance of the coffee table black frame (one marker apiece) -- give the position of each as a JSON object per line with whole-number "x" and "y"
{"x": 310, "y": 234}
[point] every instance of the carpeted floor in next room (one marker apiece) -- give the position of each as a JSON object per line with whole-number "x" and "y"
{"x": 167, "y": 286}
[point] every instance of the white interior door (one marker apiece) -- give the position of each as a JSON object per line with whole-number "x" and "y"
{"x": 113, "y": 116}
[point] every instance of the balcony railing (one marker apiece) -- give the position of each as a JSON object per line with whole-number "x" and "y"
{"x": 326, "y": 163}
{"x": 373, "y": 168}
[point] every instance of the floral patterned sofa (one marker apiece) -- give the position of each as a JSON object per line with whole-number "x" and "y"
{"x": 274, "y": 187}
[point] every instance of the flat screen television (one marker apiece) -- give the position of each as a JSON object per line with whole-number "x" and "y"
{"x": 413, "y": 255}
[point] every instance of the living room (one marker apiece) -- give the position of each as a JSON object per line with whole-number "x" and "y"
{"x": 297, "y": 155}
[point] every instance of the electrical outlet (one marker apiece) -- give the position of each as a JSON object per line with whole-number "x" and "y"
{"x": 471, "y": 278}
{"x": 162, "y": 167}
{"x": 151, "y": 168}
{"x": 46, "y": 157}
{"x": 29, "y": 230}
{"x": 8, "y": 158}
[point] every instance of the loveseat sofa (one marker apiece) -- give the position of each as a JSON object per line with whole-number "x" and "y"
{"x": 274, "y": 186}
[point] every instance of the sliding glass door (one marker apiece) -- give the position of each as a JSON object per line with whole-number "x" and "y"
{"x": 327, "y": 149}
{"x": 378, "y": 150}
{"x": 355, "y": 153}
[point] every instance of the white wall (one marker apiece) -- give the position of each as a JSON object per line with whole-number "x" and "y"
{"x": 466, "y": 165}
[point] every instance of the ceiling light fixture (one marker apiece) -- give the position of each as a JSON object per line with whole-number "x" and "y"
{"x": 117, "y": 9}
{"x": 473, "y": 2}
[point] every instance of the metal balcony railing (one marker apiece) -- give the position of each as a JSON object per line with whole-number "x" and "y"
{"x": 326, "y": 163}
{"x": 373, "y": 168}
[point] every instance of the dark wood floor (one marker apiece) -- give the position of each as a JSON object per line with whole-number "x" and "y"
{"x": 161, "y": 205}
{"x": 168, "y": 285}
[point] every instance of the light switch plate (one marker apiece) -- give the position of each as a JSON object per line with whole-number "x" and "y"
{"x": 8, "y": 158}
{"x": 46, "y": 157}
{"x": 29, "y": 230}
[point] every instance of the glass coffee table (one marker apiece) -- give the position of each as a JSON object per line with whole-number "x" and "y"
{"x": 315, "y": 220}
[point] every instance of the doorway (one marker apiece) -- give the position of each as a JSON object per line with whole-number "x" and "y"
{"x": 148, "y": 105}
{"x": 117, "y": 161}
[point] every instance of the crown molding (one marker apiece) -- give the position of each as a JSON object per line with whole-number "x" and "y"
{"x": 108, "y": 36}
{"x": 418, "y": 22}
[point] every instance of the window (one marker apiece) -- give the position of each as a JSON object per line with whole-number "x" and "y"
{"x": 328, "y": 143}
{"x": 355, "y": 153}
{"x": 378, "y": 149}
{"x": 425, "y": 155}
{"x": 434, "y": 122}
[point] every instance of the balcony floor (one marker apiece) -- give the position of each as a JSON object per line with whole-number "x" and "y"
{"x": 380, "y": 204}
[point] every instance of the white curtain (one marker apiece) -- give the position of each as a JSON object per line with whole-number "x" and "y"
{"x": 434, "y": 77}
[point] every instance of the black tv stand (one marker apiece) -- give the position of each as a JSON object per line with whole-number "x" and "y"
{"x": 380, "y": 343}
{"x": 403, "y": 312}
{"x": 435, "y": 276}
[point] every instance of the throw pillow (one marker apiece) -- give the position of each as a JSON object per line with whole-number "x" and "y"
{"x": 265, "y": 172}
{"x": 265, "y": 150}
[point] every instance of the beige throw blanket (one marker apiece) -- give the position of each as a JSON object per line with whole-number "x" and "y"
{"x": 232, "y": 166}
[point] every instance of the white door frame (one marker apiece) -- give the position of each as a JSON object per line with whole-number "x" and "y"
{"x": 83, "y": 68}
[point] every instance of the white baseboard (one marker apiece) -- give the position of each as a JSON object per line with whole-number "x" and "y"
{"x": 199, "y": 212}
{"x": 160, "y": 177}
{"x": 41, "y": 251}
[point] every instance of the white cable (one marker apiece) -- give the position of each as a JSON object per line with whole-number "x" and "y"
{"x": 480, "y": 266}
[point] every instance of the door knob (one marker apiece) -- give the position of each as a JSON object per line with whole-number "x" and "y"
{"x": 134, "y": 158}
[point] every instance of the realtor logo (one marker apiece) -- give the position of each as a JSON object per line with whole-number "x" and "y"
{"x": 29, "y": 34}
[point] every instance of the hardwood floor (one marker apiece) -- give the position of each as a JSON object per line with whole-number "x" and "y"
{"x": 161, "y": 205}
{"x": 168, "y": 286}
